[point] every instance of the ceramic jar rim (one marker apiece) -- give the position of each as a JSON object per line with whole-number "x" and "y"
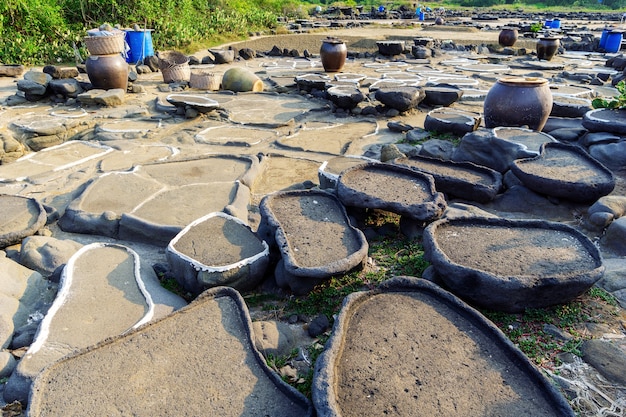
{"x": 523, "y": 81}
{"x": 332, "y": 40}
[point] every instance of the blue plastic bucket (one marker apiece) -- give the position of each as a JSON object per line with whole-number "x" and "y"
{"x": 548, "y": 23}
{"x": 140, "y": 43}
{"x": 421, "y": 15}
{"x": 605, "y": 34}
{"x": 613, "y": 41}
{"x": 556, "y": 24}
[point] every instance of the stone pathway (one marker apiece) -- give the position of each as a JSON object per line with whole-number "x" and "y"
{"x": 125, "y": 179}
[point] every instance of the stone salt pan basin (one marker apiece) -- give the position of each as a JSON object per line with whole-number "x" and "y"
{"x": 565, "y": 171}
{"x": 460, "y": 179}
{"x": 512, "y": 265}
{"x": 218, "y": 250}
{"x": 313, "y": 237}
{"x": 411, "y": 349}
{"x": 391, "y": 188}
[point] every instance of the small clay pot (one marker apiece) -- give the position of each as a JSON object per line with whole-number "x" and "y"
{"x": 333, "y": 53}
{"x": 547, "y": 47}
{"x": 107, "y": 71}
{"x": 518, "y": 101}
{"x": 507, "y": 37}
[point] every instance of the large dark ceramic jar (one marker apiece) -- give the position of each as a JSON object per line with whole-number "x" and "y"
{"x": 333, "y": 54}
{"x": 507, "y": 37}
{"x": 518, "y": 101}
{"x": 107, "y": 71}
{"x": 547, "y": 47}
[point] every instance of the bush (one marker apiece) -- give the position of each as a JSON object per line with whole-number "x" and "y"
{"x": 43, "y": 31}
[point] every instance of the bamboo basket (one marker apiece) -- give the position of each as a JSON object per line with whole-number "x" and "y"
{"x": 205, "y": 80}
{"x": 175, "y": 66}
{"x": 105, "y": 45}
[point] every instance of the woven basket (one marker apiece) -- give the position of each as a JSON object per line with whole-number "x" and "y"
{"x": 175, "y": 66}
{"x": 205, "y": 80}
{"x": 105, "y": 45}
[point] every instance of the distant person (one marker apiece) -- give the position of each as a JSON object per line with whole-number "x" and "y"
{"x": 623, "y": 18}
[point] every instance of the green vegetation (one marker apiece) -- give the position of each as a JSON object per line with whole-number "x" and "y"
{"x": 545, "y": 333}
{"x": 42, "y": 31}
{"x": 618, "y": 102}
{"x": 36, "y": 32}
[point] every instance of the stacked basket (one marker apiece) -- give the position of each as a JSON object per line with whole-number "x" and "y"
{"x": 175, "y": 66}
{"x": 106, "y": 67}
{"x": 105, "y": 42}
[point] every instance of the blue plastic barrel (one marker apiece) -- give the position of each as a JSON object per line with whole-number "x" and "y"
{"x": 421, "y": 15}
{"x": 140, "y": 43}
{"x": 613, "y": 42}
{"x": 605, "y": 34}
{"x": 556, "y": 24}
{"x": 548, "y": 23}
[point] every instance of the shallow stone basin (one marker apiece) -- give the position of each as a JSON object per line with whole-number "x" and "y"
{"x": 217, "y": 249}
{"x": 413, "y": 348}
{"x": 313, "y": 237}
{"x": 392, "y": 188}
{"x": 512, "y": 265}
{"x": 565, "y": 171}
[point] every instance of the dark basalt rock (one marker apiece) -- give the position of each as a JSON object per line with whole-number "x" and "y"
{"x": 200, "y": 103}
{"x": 565, "y": 171}
{"x": 455, "y": 122}
{"x": 400, "y": 98}
{"x": 442, "y": 95}
{"x": 512, "y": 265}
{"x": 392, "y": 188}
{"x": 345, "y": 97}
{"x": 310, "y": 82}
{"x": 459, "y": 179}
{"x": 390, "y": 48}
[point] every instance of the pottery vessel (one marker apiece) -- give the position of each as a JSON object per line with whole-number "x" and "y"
{"x": 333, "y": 54}
{"x": 518, "y": 101}
{"x": 507, "y": 37}
{"x": 107, "y": 71}
{"x": 547, "y": 47}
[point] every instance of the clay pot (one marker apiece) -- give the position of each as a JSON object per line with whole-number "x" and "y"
{"x": 333, "y": 54}
{"x": 518, "y": 101}
{"x": 547, "y": 47}
{"x": 240, "y": 79}
{"x": 107, "y": 71}
{"x": 507, "y": 37}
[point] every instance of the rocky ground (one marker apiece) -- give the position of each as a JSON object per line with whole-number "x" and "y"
{"x": 145, "y": 129}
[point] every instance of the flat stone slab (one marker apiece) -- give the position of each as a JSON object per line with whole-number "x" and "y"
{"x": 565, "y": 171}
{"x": 200, "y": 103}
{"x": 512, "y": 265}
{"x": 327, "y": 137}
{"x": 98, "y": 277}
{"x": 409, "y": 348}
{"x": 199, "y": 361}
{"x": 55, "y": 161}
{"x": 235, "y": 135}
{"x": 21, "y": 217}
{"x": 312, "y": 234}
{"x": 282, "y": 172}
{"x": 459, "y": 179}
{"x": 217, "y": 250}
{"x": 392, "y": 188}
{"x": 141, "y": 209}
